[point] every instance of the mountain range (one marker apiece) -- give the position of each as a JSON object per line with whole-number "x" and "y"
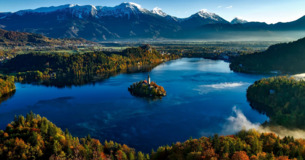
{"x": 131, "y": 21}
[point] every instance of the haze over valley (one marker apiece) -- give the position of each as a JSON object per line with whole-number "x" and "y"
{"x": 119, "y": 81}
{"x": 100, "y": 23}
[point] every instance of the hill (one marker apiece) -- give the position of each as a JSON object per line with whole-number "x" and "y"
{"x": 34, "y": 137}
{"x": 284, "y": 58}
{"x": 12, "y": 38}
{"x": 282, "y": 99}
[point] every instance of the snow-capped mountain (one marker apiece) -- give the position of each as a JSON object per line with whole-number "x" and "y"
{"x": 124, "y": 9}
{"x": 45, "y": 9}
{"x": 202, "y": 18}
{"x": 83, "y": 11}
{"x": 238, "y": 21}
{"x": 91, "y": 22}
{"x": 207, "y": 15}
{"x": 159, "y": 12}
{"x": 126, "y": 20}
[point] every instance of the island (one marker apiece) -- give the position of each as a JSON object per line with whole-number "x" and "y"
{"x": 147, "y": 88}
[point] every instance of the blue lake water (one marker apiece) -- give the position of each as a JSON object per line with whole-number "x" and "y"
{"x": 203, "y": 97}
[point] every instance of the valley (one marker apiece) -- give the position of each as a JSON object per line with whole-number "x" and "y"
{"x": 121, "y": 81}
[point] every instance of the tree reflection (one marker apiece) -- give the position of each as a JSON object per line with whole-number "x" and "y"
{"x": 62, "y": 81}
{"x": 7, "y": 96}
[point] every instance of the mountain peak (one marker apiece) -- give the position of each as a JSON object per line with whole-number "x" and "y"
{"x": 71, "y": 5}
{"x": 130, "y": 5}
{"x": 205, "y": 14}
{"x": 203, "y": 11}
{"x": 208, "y": 15}
{"x": 237, "y": 20}
{"x": 159, "y": 12}
{"x": 123, "y": 9}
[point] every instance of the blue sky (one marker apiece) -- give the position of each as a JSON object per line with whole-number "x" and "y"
{"x": 270, "y": 11}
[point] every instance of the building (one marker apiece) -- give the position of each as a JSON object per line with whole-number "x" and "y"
{"x": 148, "y": 79}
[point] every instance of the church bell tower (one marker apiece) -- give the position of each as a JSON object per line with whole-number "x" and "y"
{"x": 148, "y": 79}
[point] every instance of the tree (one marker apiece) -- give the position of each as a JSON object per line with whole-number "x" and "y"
{"x": 240, "y": 155}
{"x": 56, "y": 147}
{"x": 216, "y": 143}
{"x": 141, "y": 156}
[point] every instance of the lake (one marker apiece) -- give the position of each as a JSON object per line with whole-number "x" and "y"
{"x": 203, "y": 97}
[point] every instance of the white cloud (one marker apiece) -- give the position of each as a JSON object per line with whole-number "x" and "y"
{"x": 229, "y": 7}
{"x": 225, "y": 85}
{"x": 237, "y": 122}
{"x": 204, "y": 89}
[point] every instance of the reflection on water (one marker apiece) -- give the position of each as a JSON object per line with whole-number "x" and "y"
{"x": 74, "y": 80}
{"x": 201, "y": 96}
{"x": 7, "y": 96}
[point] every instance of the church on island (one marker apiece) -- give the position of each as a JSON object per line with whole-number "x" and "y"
{"x": 148, "y": 80}
{"x": 146, "y": 88}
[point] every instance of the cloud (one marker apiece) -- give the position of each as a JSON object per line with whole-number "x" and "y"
{"x": 225, "y": 85}
{"x": 229, "y": 7}
{"x": 219, "y": 6}
{"x": 282, "y": 131}
{"x": 238, "y": 121}
{"x": 203, "y": 89}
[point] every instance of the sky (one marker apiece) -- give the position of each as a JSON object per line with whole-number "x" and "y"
{"x": 270, "y": 11}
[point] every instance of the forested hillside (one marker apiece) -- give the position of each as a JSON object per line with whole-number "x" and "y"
{"x": 12, "y": 38}
{"x": 281, "y": 98}
{"x": 279, "y": 58}
{"x": 44, "y": 65}
{"x": 35, "y": 137}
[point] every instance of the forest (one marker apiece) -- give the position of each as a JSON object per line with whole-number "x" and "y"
{"x": 12, "y": 38}
{"x": 276, "y": 59}
{"x": 7, "y": 85}
{"x": 282, "y": 99}
{"x": 38, "y": 66}
{"x": 35, "y": 137}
